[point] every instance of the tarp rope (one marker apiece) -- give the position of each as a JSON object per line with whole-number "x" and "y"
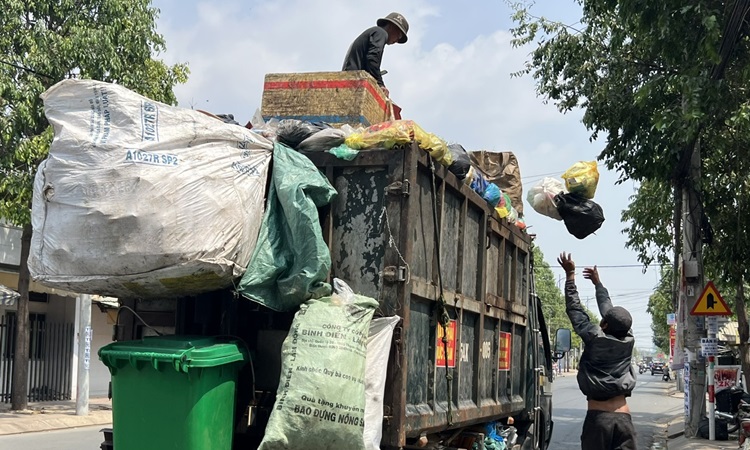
{"x": 443, "y": 317}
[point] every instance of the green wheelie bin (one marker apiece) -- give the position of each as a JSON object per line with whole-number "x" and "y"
{"x": 173, "y": 392}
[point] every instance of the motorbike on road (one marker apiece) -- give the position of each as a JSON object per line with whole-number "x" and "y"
{"x": 729, "y": 406}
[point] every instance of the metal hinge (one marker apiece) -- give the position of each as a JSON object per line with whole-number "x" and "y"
{"x": 399, "y": 188}
{"x": 397, "y": 332}
{"x": 393, "y": 274}
{"x": 387, "y": 414}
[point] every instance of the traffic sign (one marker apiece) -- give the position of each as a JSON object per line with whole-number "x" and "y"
{"x": 710, "y": 303}
{"x": 709, "y": 346}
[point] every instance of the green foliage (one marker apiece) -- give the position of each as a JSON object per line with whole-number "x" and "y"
{"x": 654, "y": 78}
{"x": 659, "y": 305}
{"x": 641, "y": 71}
{"x": 45, "y": 41}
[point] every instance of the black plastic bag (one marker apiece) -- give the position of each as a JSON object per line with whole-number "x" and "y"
{"x": 291, "y": 131}
{"x": 322, "y": 141}
{"x": 722, "y": 429}
{"x": 582, "y": 216}
{"x": 461, "y": 161}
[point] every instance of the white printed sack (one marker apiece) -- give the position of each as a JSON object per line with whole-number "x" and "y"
{"x": 376, "y": 367}
{"x": 320, "y": 403}
{"x": 142, "y": 199}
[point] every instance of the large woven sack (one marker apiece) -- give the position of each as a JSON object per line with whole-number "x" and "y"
{"x": 143, "y": 199}
{"x": 502, "y": 169}
{"x": 320, "y": 402}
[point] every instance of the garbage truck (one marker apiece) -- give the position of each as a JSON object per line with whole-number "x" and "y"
{"x": 410, "y": 234}
{"x": 469, "y": 357}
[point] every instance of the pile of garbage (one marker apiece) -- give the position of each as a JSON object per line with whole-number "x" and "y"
{"x": 570, "y": 199}
{"x": 346, "y": 143}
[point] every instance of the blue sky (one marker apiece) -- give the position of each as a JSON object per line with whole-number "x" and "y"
{"x": 452, "y": 77}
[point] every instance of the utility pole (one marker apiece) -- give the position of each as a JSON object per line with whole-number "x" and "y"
{"x": 84, "y": 355}
{"x": 19, "y": 392}
{"x": 692, "y": 286}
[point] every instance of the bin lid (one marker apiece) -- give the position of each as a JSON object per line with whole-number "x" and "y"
{"x": 182, "y": 352}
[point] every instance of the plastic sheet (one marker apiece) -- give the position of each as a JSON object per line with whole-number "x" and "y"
{"x": 292, "y": 261}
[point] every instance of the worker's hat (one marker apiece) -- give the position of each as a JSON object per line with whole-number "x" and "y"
{"x": 398, "y": 20}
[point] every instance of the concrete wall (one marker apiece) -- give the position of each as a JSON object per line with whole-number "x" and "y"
{"x": 10, "y": 244}
{"x": 101, "y": 324}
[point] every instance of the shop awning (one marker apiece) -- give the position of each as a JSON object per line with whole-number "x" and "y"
{"x": 8, "y": 296}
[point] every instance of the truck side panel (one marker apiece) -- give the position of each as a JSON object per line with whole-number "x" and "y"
{"x": 382, "y": 237}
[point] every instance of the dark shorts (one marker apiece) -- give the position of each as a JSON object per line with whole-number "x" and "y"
{"x": 608, "y": 431}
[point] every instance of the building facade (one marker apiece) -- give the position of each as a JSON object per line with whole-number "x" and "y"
{"x": 54, "y": 331}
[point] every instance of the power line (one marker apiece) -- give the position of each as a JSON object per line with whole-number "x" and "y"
{"x": 19, "y": 67}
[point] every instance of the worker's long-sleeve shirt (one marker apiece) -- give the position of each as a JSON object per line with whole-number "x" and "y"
{"x": 366, "y": 52}
{"x": 605, "y": 369}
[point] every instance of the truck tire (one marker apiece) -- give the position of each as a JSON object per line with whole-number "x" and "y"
{"x": 534, "y": 440}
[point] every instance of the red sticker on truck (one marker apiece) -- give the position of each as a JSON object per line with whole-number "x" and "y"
{"x": 440, "y": 347}
{"x": 504, "y": 351}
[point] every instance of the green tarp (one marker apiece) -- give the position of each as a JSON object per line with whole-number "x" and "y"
{"x": 291, "y": 261}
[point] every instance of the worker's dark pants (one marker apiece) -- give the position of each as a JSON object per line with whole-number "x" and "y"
{"x": 608, "y": 431}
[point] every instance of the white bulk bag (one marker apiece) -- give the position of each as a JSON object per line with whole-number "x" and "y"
{"x": 142, "y": 199}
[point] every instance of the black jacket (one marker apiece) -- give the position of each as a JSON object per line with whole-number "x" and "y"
{"x": 366, "y": 52}
{"x": 605, "y": 369}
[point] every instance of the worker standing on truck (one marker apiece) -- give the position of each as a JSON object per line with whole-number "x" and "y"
{"x": 605, "y": 374}
{"x": 366, "y": 52}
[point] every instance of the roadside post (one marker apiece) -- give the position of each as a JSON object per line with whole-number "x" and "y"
{"x": 711, "y": 304}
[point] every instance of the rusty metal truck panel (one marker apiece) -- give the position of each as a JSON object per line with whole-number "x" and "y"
{"x": 382, "y": 235}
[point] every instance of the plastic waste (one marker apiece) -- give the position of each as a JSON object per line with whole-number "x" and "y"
{"x": 322, "y": 141}
{"x": 344, "y": 152}
{"x": 292, "y": 132}
{"x": 542, "y": 195}
{"x": 582, "y": 178}
{"x": 461, "y": 164}
{"x": 581, "y": 215}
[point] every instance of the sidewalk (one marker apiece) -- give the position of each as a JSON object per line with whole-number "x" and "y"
{"x": 46, "y": 416}
{"x": 676, "y": 439}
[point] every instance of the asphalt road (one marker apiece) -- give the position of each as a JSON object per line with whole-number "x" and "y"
{"x": 88, "y": 438}
{"x": 650, "y": 407}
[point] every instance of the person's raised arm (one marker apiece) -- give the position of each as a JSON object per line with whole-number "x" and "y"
{"x": 602, "y": 295}
{"x": 578, "y": 318}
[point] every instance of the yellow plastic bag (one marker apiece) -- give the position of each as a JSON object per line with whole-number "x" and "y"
{"x": 434, "y": 145}
{"x": 399, "y": 132}
{"x": 385, "y": 134}
{"x": 582, "y": 178}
